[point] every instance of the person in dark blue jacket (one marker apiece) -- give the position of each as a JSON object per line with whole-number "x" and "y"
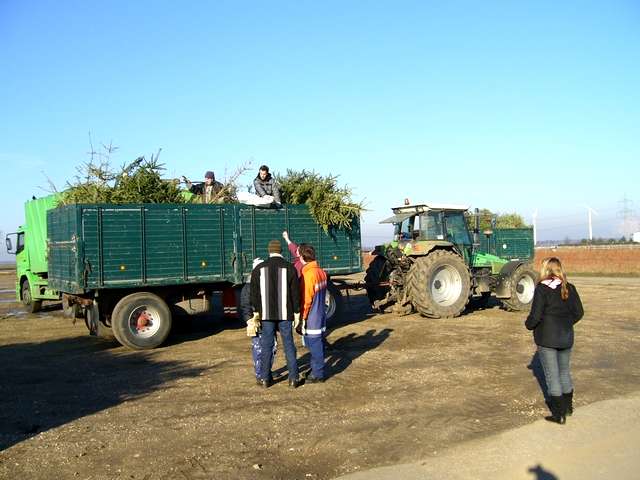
{"x": 555, "y": 309}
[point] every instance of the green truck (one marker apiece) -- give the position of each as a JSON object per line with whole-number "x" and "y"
{"x": 29, "y": 245}
{"x": 130, "y": 269}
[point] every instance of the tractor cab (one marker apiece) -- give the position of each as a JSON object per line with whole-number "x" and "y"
{"x": 434, "y": 222}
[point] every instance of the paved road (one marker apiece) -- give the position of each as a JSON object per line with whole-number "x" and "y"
{"x": 600, "y": 441}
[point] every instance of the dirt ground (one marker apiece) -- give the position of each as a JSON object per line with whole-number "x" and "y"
{"x": 400, "y": 389}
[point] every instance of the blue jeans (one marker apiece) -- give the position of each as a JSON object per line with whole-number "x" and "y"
{"x": 267, "y": 339}
{"x": 256, "y": 353}
{"x": 557, "y": 369}
{"x": 315, "y": 344}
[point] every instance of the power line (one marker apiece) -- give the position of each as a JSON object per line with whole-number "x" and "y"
{"x": 626, "y": 213}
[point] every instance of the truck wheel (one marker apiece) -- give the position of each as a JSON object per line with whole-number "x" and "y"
{"x": 377, "y": 272}
{"x": 522, "y": 284}
{"x": 439, "y": 284}
{"x": 141, "y": 321}
{"x": 95, "y": 324}
{"x": 30, "y": 304}
{"x": 332, "y": 303}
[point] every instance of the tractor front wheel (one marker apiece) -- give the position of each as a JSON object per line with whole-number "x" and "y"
{"x": 438, "y": 285}
{"x": 522, "y": 284}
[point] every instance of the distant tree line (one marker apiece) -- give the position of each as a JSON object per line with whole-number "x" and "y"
{"x": 585, "y": 241}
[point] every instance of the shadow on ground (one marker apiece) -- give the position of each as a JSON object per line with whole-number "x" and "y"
{"x": 538, "y": 373}
{"x": 340, "y": 353}
{"x": 196, "y": 327}
{"x": 542, "y": 474}
{"x": 45, "y": 385}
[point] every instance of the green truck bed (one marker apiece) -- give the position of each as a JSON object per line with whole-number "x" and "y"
{"x": 93, "y": 247}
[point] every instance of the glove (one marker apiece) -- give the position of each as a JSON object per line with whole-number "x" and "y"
{"x": 253, "y": 325}
{"x": 297, "y": 324}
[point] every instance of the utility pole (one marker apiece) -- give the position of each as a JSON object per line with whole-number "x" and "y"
{"x": 626, "y": 213}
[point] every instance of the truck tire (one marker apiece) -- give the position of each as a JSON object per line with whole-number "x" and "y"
{"x": 31, "y": 305}
{"x": 95, "y": 323}
{"x": 154, "y": 313}
{"x": 438, "y": 284}
{"x": 333, "y": 303}
{"x": 522, "y": 284}
{"x": 377, "y": 272}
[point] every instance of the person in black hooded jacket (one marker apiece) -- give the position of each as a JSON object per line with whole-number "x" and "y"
{"x": 555, "y": 309}
{"x": 264, "y": 184}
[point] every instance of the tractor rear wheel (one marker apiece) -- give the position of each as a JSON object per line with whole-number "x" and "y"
{"x": 438, "y": 285}
{"x": 377, "y": 272}
{"x": 522, "y": 284}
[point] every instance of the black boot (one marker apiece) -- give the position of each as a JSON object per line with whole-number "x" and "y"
{"x": 556, "y": 404}
{"x": 568, "y": 402}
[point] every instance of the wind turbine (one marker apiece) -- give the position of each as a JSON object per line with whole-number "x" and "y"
{"x": 590, "y": 211}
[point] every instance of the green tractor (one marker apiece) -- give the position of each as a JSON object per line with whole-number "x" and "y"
{"x": 435, "y": 265}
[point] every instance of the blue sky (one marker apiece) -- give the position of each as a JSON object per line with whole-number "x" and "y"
{"x": 511, "y": 106}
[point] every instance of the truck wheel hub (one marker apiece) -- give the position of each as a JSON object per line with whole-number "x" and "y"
{"x": 144, "y": 321}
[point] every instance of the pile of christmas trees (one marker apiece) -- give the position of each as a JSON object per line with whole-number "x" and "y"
{"x": 330, "y": 204}
{"x": 138, "y": 182}
{"x": 141, "y": 182}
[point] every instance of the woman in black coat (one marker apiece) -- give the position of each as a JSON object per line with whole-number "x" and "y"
{"x": 555, "y": 309}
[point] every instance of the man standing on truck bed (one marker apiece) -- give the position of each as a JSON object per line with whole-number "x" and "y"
{"x": 209, "y": 191}
{"x": 264, "y": 184}
{"x": 275, "y": 295}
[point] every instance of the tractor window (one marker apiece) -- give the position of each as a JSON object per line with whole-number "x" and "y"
{"x": 457, "y": 230}
{"x": 431, "y": 226}
{"x": 404, "y": 230}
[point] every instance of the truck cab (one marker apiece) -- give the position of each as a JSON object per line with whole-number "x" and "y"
{"x": 29, "y": 245}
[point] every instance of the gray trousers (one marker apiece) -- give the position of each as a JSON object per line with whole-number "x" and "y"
{"x": 557, "y": 369}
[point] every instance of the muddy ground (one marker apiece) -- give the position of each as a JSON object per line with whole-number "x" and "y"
{"x": 400, "y": 389}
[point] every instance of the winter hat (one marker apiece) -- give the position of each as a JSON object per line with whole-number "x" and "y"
{"x": 209, "y": 174}
{"x": 274, "y": 246}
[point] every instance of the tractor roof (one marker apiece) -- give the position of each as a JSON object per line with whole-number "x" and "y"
{"x": 407, "y": 211}
{"x": 425, "y": 207}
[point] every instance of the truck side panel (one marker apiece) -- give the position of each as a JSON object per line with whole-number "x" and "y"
{"x": 130, "y": 246}
{"x": 338, "y": 251}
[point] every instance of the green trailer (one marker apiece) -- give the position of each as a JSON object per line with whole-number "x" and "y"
{"x": 121, "y": 263}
